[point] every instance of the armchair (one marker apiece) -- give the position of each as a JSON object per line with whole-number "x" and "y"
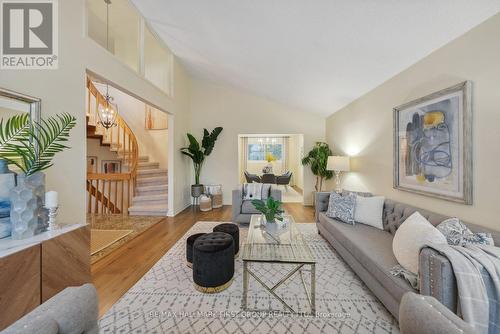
{"x": 252, "y": 177}
{"x": 284, "y": 179}
{"x": 243, "y": 209}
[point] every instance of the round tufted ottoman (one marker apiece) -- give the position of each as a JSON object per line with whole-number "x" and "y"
{"x": 234, "y": 231}
{"x": 213, "y": 262}
{"x": 189, "y": 248}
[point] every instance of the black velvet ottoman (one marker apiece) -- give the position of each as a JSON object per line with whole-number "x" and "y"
{"x": 234, "y": 231}
{"x": 213, "y": 262}
{"x": 189, "y": 248}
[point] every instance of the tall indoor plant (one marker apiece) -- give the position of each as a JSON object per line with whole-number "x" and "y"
{"x": 317, "y": 159}
{"x": 31, "y": 146}
{"x": 197, "y": 153}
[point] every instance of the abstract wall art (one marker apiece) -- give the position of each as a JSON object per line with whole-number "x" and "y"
{"x": 433, "y": 145}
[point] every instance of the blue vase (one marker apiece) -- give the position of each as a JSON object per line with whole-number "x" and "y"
{"x": 7, "y": 182}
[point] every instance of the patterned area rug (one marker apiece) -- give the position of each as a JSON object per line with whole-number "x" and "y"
{"x": 164, "y": 300}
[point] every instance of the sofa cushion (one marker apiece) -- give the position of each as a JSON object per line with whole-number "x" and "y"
{"x": 373, "y": 249}
{"x": 247, "y": 207}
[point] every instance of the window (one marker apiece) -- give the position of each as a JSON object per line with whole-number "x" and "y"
{"x": 259, "y": 152}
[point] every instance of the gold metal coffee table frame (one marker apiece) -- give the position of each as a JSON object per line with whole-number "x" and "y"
{"x": 287, "y": 247}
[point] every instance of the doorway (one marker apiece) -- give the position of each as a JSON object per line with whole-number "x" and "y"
{"x": 276, "y": 159}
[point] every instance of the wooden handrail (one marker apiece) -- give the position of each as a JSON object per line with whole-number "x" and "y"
{"x": 122, "y": 139}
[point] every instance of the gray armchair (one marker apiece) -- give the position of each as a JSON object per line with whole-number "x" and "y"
{"x": 73, "y": 310}
{"x": 424, "y": 314}
{"x": 243, "y": 209}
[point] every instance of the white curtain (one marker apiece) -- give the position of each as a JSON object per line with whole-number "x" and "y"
{"x": 286, "y": 154}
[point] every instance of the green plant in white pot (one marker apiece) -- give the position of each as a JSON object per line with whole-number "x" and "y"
{"x": 31, "y": 146}
{"x": 271, "y": 209}
{"x": 273, "y": 215}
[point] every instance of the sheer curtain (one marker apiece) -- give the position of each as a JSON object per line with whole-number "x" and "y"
{"x": 244, "y": 158}
{"x": 286, "y": 154}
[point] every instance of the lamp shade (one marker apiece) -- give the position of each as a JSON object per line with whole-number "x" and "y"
{"x": 338, "y": 163}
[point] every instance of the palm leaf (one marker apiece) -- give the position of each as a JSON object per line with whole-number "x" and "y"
{"x": 14, "y": 129}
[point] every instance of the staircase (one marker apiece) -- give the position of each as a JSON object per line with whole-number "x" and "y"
{"x": 141, "y": 188}
{"x": 151, "y": 197}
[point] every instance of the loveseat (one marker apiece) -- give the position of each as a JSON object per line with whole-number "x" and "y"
{"x": 243, "y": 209}
{"x": 368, "y": 251}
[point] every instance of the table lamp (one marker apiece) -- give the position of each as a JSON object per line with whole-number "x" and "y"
{"x": 338, "y": 164}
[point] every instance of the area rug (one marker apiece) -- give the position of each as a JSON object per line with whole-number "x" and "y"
{"x": 100, "y": 239}
{"x": 164, "y": 300}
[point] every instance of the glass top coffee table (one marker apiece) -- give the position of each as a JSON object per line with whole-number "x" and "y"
{"x": 278, "y": 244}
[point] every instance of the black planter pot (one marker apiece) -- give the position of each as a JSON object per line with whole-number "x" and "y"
{"x": 197, "y": 190}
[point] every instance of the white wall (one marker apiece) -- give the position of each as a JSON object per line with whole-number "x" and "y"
{"x": 364, "y": 128}
{"x": 243, "y": 113}
{"x": 63, "y": 90}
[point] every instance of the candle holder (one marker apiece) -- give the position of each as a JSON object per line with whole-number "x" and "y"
{"x": 52, "y": 218}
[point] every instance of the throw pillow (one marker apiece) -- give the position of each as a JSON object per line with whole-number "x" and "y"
{"x": 413, "y": 234}
{"x": 458, "y": 234}
{"x": 342, "y": 207}
{"x": 252, "y": 191}
{"x": 369, "y": 211}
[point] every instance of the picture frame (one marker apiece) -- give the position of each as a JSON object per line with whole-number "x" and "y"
{"x": 92, "y": 164}
{"x": 433, "y": 145}
{"x": 111, "y": 166}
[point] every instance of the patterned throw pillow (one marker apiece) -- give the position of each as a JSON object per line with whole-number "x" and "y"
{"x": 458, "y": 234}
{"x": 342, "y": 207}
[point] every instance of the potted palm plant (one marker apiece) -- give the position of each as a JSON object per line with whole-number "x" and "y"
{"x": 197, "y": 153}
{"x": 31, "y": 146}
{"x": 317, "y": 159}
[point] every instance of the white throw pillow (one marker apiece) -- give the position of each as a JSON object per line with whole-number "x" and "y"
{"x": 369, "y": 211}
{"x": 413, "y": 234}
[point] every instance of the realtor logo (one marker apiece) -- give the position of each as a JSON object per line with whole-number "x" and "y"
{"x": 29, "y": 36}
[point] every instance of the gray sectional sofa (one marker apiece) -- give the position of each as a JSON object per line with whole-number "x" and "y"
{"x": 368, "y": 251}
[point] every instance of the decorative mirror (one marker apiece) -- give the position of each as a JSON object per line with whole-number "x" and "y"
{"x": 13, "y": 103}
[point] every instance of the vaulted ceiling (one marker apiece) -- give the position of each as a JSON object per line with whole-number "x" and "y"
{"x": 316, "y": 55}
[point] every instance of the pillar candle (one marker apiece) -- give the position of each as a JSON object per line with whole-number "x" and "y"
{"x": 51, "y": 199}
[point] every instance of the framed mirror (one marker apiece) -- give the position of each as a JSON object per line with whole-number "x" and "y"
{"x": 13, "y": 103}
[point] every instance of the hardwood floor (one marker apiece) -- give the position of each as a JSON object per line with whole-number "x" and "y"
{"x": 116, "y": 273}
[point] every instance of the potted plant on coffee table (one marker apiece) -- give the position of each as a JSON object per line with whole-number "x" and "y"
{"x": 197, "y": 153}
{"x": 272, "y": 212}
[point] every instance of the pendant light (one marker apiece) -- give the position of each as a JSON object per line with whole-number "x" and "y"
{"x": 107, "y": 112}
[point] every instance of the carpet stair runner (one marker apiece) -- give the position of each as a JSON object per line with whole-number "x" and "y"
{"x": 152, "y": 190}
